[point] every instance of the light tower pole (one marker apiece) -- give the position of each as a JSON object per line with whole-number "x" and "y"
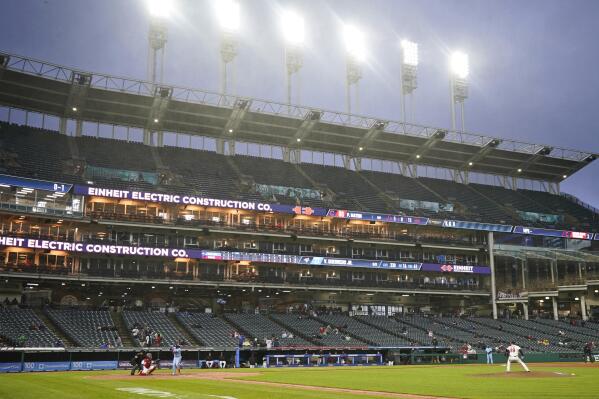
{"x": 409, "y": 69}
{"x": 157, "y": 37}
{"x": 460, "y": 69}
{"x": 356, "y": 52}
{"x": 228, "y": 15}
{"x": 159, "y": 11}
{"x": 292, "y": 25}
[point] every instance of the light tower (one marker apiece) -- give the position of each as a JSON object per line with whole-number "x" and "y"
{"x": 460, "y": 69}
{"x": 409, "y": 67}
{"x": 159, "y": 11}
{"x": 292, "y": 25}
{"x": 356, "y": 53}
{"x": 227, "y": 12}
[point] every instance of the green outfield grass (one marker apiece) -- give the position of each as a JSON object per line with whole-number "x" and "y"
{"x": 447, "y": 381}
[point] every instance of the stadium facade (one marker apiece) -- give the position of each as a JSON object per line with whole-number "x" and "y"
{"x": 95, "y": 210}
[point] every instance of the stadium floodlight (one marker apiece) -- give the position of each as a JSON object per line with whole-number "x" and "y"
{"x": 354, "y": 42}
{"x": 227, "y": 13}
{"x": 355, "y": 47}
{"x": 160, "y": 8}
{"x": 292, "y": 25}
{"x": 410, "y": 52}
{"x": 459, "y": 64}
{"x": 228, "y": 16}
{"x": 409, "y": 72}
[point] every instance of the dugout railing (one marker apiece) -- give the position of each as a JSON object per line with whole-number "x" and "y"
{"x": 60, "y": 359}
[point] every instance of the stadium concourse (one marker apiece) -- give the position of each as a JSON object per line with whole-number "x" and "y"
{"x": 109, "y": 245}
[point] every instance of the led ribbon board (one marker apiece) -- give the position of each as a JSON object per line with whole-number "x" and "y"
{"x": 310, "y": 211}
{"x": 82, "y": 247}
{"x": 535, "y": 231}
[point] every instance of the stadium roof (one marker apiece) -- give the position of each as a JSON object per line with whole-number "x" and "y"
{"x": 52, "y": 89}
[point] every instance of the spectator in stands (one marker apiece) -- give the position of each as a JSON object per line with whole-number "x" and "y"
{"x": 103, "y": 345}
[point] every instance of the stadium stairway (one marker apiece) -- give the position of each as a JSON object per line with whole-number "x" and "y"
{"x": 345, "y": 331}
{"x": 124, "y": 333}
{"x": 156, "y": 158}
{"x": 183, "y": 331}
{"x": 330, "y": 194}
{"x": 73, "y": 149}
{"x": 364, "y": 320}
{"x": 295, "y": 332}
{"x": 68, "y": 343}
{"x": 237, "y": 327}
{"x": 507, "y": 210}
{"x": 380, "y": 193}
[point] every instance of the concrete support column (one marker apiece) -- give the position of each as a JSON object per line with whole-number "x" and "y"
{"x": 583, "y": 307}
{"x": 147, "y": 137}
{"x": 78, "y": 128}
{"x": 552, "y": 272}
{"x": 524, "y": 265}
{"x": 62, "y": 125}
{"x": 555, "y": 316}
{"x": 525, "y": 308}
{"x": 491, "y": 243}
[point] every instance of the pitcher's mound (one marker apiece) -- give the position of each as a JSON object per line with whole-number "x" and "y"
{"x": 524, "y": 374}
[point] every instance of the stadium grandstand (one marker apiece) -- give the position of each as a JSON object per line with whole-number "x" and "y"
{"x": 328, "y": 238}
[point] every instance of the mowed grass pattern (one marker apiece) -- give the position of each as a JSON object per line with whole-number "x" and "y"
{"x": 447, "y": 381}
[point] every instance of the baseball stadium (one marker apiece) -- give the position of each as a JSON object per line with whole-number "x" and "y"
{"x": 165, "y": 241}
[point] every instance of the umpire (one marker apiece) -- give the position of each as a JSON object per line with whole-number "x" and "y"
{"x": 137, "y": 360}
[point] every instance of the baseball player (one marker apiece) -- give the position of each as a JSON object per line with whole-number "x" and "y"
{"x": 147, "y": 367}
{"x": 489, "y": 352}
{"x": 176, "y": 358}
{"x": 137, "y": 361}
{"x": 514, "y": 352}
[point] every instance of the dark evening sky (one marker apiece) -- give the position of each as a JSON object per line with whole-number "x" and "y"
{"x": 533, "y": 63}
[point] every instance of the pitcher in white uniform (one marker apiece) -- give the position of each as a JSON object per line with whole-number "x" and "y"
{"x": 514, "y": 352}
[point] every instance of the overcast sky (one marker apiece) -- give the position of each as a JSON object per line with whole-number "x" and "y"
{"x": 534, "y": 74}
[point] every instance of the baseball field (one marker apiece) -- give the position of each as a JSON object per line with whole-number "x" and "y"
{"x": 549, "y": 380}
